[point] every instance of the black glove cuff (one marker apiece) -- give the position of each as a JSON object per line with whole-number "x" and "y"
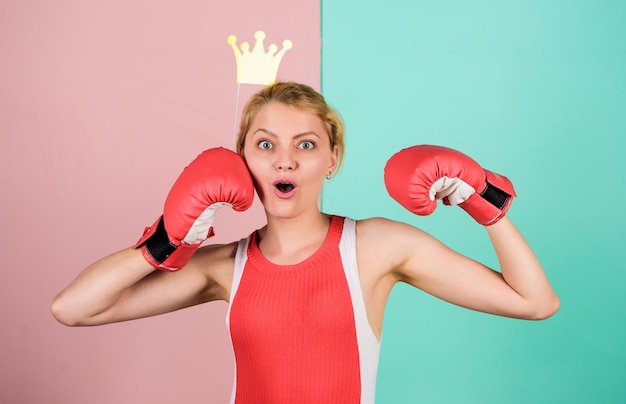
{"x": 495, "y": 196}
{"x": 159, "y": 245}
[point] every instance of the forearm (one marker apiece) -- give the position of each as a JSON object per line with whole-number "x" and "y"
{"x": 100, "y": 286}
{"x": 521, "y": 269}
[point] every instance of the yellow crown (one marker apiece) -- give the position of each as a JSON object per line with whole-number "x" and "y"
{"x": 257, "y": 67}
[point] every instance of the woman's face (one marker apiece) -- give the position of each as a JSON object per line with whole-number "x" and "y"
{"x": 288, "y": 153}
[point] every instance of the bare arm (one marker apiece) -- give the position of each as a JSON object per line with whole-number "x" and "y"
{"x": 123, "y": 286}
{"x": 520, "y": 290}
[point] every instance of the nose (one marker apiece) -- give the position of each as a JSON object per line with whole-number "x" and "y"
{"x": 285, "y": 161}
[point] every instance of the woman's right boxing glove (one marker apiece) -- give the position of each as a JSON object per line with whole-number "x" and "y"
{"x": 217, "y": 177}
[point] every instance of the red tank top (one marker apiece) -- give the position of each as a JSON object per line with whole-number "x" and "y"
{"x": 293, "y": 329}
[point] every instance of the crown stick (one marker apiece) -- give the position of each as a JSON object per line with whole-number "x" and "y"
{"x": 256, "y": 67}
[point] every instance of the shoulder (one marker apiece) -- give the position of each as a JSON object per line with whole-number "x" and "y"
{"x": 382, "y": 230}
{"x": 394, "y": 243}
{"x": 216, "y": 257}
{"x": 216, "y": 262}
{"x": 386, "y": 243}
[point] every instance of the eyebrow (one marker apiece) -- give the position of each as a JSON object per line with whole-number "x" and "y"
{"x": 299, "y": 135}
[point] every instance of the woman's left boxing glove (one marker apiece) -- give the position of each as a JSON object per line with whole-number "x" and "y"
{"x": 418, "y": 176}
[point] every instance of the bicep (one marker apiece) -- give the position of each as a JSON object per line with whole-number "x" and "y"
{"x": 431, "y": 266}
{"x": 162, "y": 292}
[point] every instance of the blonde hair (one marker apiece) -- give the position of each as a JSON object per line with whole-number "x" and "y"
{"x": 299, "y": 96}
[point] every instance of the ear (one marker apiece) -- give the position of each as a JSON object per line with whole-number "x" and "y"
{"x": 333, "y": 159}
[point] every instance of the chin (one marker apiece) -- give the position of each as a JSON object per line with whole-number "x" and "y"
{"x": 279, "y": 213}
{"x": 287, "y": 211}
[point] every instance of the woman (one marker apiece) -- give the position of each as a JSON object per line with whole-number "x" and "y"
{"x": 307, "y": 292}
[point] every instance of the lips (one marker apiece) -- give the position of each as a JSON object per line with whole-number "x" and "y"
{"x": 284, "y": 188}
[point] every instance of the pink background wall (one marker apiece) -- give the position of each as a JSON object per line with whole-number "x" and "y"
{"x": 101, "y": 106}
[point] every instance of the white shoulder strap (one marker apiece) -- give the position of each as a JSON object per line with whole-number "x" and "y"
{"x": 369, "y": 346}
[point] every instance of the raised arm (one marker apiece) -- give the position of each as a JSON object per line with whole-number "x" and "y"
{"x": 522, "y": 271}
{"x": 417, "y": 178}
{"x": 147, "y": 279}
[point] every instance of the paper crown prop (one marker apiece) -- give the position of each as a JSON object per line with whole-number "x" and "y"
{"x": 257, "y": 66}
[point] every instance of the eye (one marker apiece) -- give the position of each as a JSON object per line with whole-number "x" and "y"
{"x": 306, "y": 145}
{"x": 265, "y": 144}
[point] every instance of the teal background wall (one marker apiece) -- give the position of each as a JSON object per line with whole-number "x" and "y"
{"x": 535, "y": 90}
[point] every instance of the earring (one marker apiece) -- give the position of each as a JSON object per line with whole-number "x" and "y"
{"x": 329, "y": 176}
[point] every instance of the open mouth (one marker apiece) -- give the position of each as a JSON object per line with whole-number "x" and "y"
{"x": 284, "y": 187}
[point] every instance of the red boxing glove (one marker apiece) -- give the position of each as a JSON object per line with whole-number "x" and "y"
{"x": 217, "y": 177}
{"x": 416, "y": 177}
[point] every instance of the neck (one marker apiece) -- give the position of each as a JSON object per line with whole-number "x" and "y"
{"x": 290, "y": 240}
